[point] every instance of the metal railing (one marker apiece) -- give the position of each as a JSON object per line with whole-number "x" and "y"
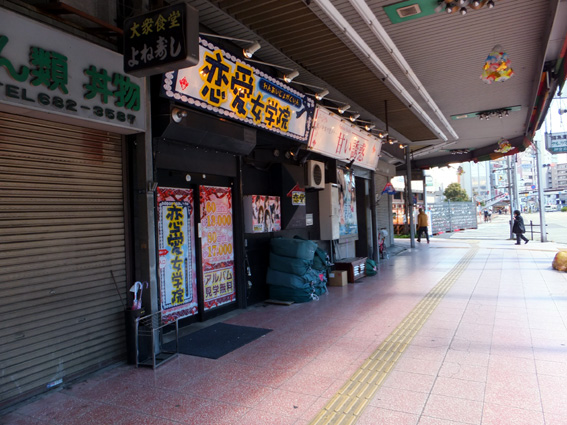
{"x": 531, "y": 229}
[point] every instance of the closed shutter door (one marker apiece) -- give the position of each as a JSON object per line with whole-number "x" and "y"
{"x": 61, "y": 250}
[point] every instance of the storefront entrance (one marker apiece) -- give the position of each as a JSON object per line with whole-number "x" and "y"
{"x": 196, "y": 246}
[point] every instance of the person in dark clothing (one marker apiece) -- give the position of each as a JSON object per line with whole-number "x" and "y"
{"x": 519, "y": 229}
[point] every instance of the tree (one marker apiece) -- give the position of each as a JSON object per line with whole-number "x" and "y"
{"x": 455, "y": 193}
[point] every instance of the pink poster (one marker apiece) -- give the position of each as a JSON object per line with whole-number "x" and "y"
{"x": 217, "y": 246}
{"x": 178, "y": 280}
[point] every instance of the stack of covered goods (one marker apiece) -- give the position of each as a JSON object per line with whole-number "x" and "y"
{"x": 291, "y": 275}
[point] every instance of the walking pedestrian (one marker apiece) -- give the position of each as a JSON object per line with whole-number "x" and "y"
{"x": 422, "y": 223}
{"x": 519, "y": 229}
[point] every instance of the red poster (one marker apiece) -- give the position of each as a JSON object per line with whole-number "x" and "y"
{"x": 217, "y": 246}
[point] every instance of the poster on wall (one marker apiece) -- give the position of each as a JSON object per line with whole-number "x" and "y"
{"x": 176, "y": 244}
{"x": 217, "y": 246}
{"x": 225, "y": 85}
{"x": 347, "y": 203}
{"x": 262, "y": 214}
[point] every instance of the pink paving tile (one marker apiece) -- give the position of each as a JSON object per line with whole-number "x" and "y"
{"x": 399, "y": 400}
{"x": 139, "y": 419}
{"x": 427, "y": 420}
{"x": 426, "y": 353}
{"x": 544, "y": 367}
{"x": 470, "y": 345}
{"x": 317, "y": 367}
{"x": 511, "y": 364}
{"x": 56, "y": 408}
{"x": 554, "y": 419}
{"x": 268, "y": 377}
{"x": 432, "y": 341}
{"x": 512, "y": 392}
{"x": 261, "y": 417}
{"x": 139, "y": 400}
{"x": 453, "y": 409}
{"x": 464, "y": 371}
{"x": 409, "y": 381}
{"x": 103, "y": 414}
{"x": 186, "y": 409}
{"x": 413, "y": 365}
{"x": 307, "y": 383}
{"x": 312, "y": 411}
{"x": 336, "y": 356}
{"x": 244, "y": 394}
{"x": 496, "y": 414}
{"x": 17, "y": 419}
{"x": 459, "y": 388}
{"x": 376, "y": 415}
{"x": 468, "y": 357}
{"x": 287, "y": 403}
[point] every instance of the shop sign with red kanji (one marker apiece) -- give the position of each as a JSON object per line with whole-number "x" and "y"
{"x": 337, "y": 138}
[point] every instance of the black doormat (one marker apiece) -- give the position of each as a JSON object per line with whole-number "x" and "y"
{"x": 216, "y": 340}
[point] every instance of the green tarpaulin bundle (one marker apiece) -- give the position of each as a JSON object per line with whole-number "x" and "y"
{"x": 291, "y": 275}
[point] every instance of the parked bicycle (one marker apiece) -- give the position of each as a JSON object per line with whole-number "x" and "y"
{"x": 382, "y": 249}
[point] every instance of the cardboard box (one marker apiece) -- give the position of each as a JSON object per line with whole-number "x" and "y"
{"x": 338, "y": 278}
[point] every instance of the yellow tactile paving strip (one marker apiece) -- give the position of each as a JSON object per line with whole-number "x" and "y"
{"x": 347, "y": 405}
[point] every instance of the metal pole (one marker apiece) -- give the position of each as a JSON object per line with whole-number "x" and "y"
{"x": 515, "y": 182}
{"x": 510, "y": 197}
{"x": 374, "y": 220}
{"x": 424, "y": 193}
{"x": 540, "y": 189}
{"x": 410, "y": 197}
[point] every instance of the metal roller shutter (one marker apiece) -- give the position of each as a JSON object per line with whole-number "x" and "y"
{"x": 61, "y": 243}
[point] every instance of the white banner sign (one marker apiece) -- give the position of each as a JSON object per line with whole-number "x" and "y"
{"x": 47, "y": 70}
{"x": 340, "y": 139}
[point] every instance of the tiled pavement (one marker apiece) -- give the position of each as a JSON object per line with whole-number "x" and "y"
{"x": 493, "y": 352}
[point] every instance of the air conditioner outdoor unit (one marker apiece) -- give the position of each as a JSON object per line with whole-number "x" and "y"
{"x": 315, "y": 175}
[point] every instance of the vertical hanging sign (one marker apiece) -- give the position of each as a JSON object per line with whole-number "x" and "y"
{"x": 161, "y": 40}
{"x": 217, "y": 246}
{"x": 178, "y": 283}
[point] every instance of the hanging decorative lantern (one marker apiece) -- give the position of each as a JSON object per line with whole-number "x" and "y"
{"x": 504, "y": 146}
{"x": 497, "y": 67}
{"x": 460, "y": 171}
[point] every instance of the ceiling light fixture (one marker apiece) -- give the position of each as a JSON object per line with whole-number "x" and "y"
{"x": 369, "y": 127}
{"x": 321, "y": 94}
{"x": 177, "y": 114}
{"x": 248, "y": 52}
{"x": 354, "y": 117}
{"x": 498, "y": 112}
{"x": 288, "y": 78}
{"x": 343, "y": 108}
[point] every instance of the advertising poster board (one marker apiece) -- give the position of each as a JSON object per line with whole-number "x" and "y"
{"x": 347, "y": 203}
{"x": 264, "y": 214}
{"x": 217, "y": 246}
{"x": 176, "y": 244}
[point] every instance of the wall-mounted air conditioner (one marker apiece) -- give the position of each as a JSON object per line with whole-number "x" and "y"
{"x": 315, "y": 175}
